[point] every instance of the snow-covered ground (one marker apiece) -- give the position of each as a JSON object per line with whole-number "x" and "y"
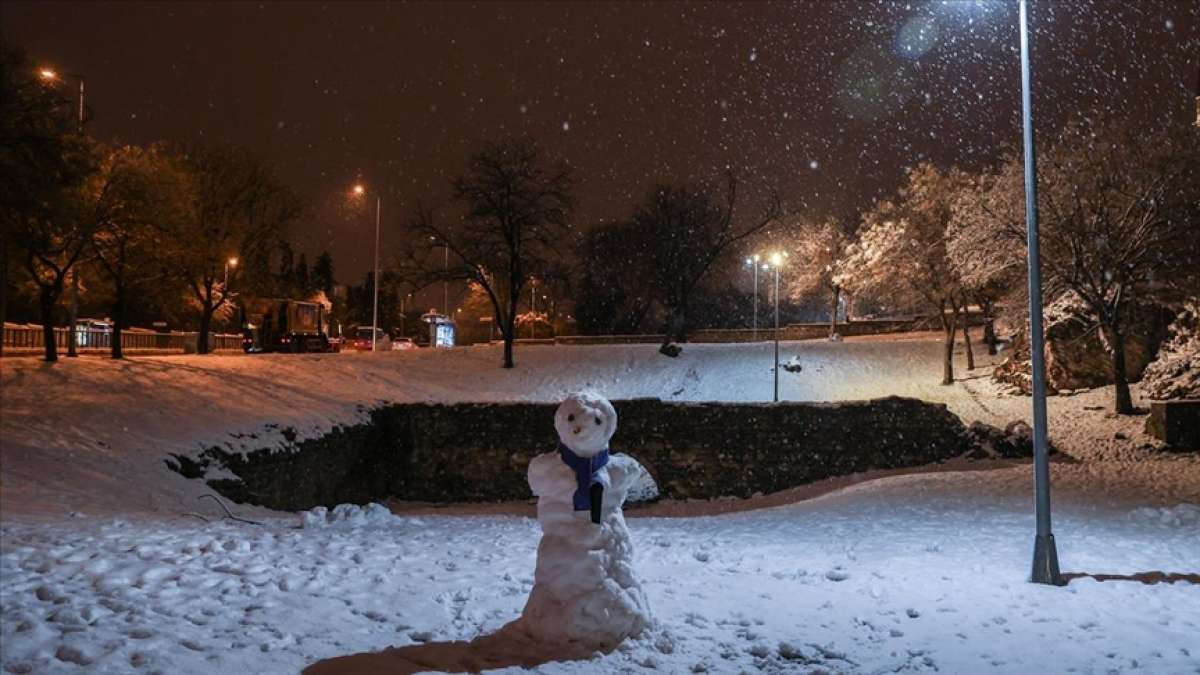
{"x": 100, "y": 571}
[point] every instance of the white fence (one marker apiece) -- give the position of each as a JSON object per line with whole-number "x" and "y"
{"x": 24, "y": 339}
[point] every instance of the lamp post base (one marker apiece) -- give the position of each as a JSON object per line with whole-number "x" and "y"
{"x": 1045, "y": 562}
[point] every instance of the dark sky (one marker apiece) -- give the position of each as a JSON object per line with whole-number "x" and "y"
{"x": 826, "y": 100}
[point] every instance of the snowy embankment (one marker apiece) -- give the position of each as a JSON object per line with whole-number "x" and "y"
{"x": 90, "y": 435}
{"x": 908, "y": 574}
{"x": 915, "y": 573}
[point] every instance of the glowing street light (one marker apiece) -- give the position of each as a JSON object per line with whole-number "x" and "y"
{"x": 231, "y": 262}
{"x": 50, "y": 75}
{"x": 359, "y": 190}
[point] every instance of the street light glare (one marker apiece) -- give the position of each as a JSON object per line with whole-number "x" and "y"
{"x": 359, "y": 189}
{"x": 48, "y": 74}
{"x": 776, "y": 259}
{"x": 233, "y": 261}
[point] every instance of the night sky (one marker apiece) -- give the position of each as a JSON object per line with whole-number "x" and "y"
{"x": 827, "y": 101}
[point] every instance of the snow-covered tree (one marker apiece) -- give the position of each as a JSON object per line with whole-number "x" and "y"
{"x": 1119, "y": 212}
{"x": 816, "y": 252}
{"x": 901, "y": 251}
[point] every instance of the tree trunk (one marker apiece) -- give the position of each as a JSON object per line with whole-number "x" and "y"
{"x": 989, "y": 335}
{"x": 118, "y": 322}
{"x": 948, "y": 328}
{"x": 833, "y": 310}
{"x": 1123, "y": 399}
{"x": 966, "y": 331}
{"x": 73, "y": 315}
{"x": 507, "y": 332}
{"x": 3, "y": 290}
{"x": 206, "y": 315}
{"x": 48, "y": 299}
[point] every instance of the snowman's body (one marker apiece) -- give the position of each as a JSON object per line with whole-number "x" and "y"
{"x": 585, "y": 590}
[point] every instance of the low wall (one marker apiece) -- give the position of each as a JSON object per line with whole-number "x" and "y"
{"x": 480, "y": 452}
{"x": 793, "y": 331}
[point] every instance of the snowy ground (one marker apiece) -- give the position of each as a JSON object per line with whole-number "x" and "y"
{"x": 917, "y": 572}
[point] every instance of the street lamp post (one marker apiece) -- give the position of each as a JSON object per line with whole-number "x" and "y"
{"x": 51, "y": 75}
{"x": 1045, "y": 553}
{"x": 752, "y": 261}
{"x": 532, "y": 306}
{"x": 232, "y": 262}
{"x": 360, "y": 190}
{"x": 776, "y": 263}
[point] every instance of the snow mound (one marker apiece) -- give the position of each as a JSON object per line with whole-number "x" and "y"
{"x": 1181, "y": 515}
{"x": 349, "y": 516}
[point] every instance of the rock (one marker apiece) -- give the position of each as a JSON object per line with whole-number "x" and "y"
{"x": 1077, "y": 355}
{"x": 989, "y": 442}
{"x": 1177, "y": 423}
{"x": 670, "y": 349}
{"x": 1175, "y": 374}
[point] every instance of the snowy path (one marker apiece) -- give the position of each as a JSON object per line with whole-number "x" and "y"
{"x": 907, "y": 574}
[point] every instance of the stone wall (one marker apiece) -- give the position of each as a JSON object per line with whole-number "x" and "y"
{"x": 793, "y": 331}
{"x": 479, "y": 452}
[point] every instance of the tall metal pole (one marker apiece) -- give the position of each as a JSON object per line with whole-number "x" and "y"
{"x": 446, "y": 281}
{"x": 1045, "y": 554}
{"x": 754, "y": 264}
{"x": 73, "y": 318}
{"x": 532, "y": 306}
{"x": 776, "y": 333}
{"x": 375, "y": 306}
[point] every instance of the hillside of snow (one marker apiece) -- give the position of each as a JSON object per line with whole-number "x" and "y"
{"x": 110, "y": 563}
{"x": 91, "y": 434}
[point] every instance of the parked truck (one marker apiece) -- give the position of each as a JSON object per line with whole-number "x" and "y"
{"x": 283, "y": 325}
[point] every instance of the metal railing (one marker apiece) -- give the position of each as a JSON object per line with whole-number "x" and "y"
{"x": 21, "y": 339}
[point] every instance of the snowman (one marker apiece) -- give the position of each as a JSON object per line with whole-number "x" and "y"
{"x": 585, "y": 592}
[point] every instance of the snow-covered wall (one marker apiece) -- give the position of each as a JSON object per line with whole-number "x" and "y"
{"x": 479, "y": 452}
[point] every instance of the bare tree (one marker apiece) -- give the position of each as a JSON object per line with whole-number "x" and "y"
{"x": 615, "y": 259}
{"x": 43, "y": 158}
{"x": 512, "y": 219}
{"x": 134, "y": 200}
{"x": 686, "y": 231}
{"x": 239, "y": 209}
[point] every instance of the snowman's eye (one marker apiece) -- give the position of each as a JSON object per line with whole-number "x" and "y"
{"x": 597, "y": 421}
{"x": 570, "y": 418}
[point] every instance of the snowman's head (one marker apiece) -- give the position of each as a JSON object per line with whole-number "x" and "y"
{"x": 585, "y": 422}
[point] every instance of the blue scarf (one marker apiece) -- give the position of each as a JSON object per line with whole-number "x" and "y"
{"x": 586, "y": 470}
